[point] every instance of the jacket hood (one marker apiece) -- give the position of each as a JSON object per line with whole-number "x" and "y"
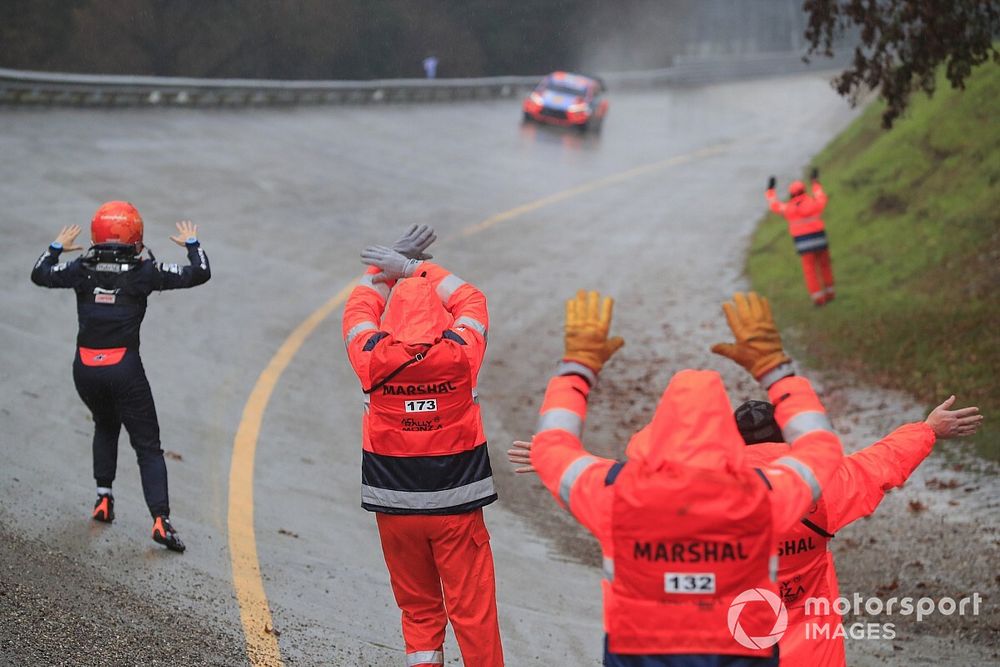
{"x": 693, "y": 426}
{"x": 414, "y": 313}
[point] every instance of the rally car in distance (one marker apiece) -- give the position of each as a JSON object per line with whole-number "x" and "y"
{"x": 570, "y": 100}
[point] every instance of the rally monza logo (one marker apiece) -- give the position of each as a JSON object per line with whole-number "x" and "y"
{"x": 756, "y": 595}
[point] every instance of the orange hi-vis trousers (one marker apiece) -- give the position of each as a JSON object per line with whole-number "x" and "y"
{"x": 818, "y": 272}
{"x": 428, "y": 554}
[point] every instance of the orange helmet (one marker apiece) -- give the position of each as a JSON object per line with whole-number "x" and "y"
{"x": 116, "y": 222}
{"x": 796, "y": 188}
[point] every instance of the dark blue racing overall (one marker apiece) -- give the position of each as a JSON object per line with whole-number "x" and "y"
{"x": 111, "y": 285}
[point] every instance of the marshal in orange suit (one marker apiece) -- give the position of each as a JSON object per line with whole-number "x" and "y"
{"x": 415, "y": 336}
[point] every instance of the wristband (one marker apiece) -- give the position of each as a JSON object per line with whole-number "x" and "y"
{"x": 191, "y": 240}
{"x": 576, "y": 368}
{"x": 56, "y": 245}
{"x": 779, "y": 372}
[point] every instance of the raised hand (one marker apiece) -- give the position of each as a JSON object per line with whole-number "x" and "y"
{"x": 415, "y": 241}
{"x": 392, "y": 264}
{"x": 185, "y": 230}
{"x": 67, "y": 238}
{"x": 588, "y": 319}
{"x": 520, "y": 456}
{"x": 954, "y": 423}
{"x": 757, "y": 347}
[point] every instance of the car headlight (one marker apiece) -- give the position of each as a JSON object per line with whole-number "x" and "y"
{"x": 577, "y": 108}
{"x": 536, "y": 98}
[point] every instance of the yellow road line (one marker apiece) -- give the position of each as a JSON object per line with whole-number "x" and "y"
{"x": 255, "y": 613}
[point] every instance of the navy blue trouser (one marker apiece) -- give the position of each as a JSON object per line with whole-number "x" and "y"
{"x": 685, "y": 660}
{"x": 119, "y": 395}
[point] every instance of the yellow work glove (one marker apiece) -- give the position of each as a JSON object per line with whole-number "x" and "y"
{"x": 588, "y": 319}
{"x": 758, "y": 344}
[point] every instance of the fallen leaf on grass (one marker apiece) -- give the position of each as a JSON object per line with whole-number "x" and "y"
{"x": 940, "y": 484}
{"x": 917, "y": 506}
{"x": 885, "y": 588}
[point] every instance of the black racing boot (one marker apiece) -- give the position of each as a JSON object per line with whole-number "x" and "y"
{"x": 164, "y": 533}
{"x": 104, "y": 508}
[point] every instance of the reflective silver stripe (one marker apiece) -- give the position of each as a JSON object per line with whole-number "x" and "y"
{"x": 475, "y": 395}
{"x": 804, "y": 472}
{"x": 608, "y": 566}
{"x": 448, "y": 286}
{"x": 803, "y": 423}
{"x": 772, "y": 567}
{"x": 811, "y": 244}
{"x": 775, "y": 374}
{"x": 427, "y": 500}
{"x": 562, "y": 419}
{"x": 381, "y": 288}
{"x": 424, "y": 658}
{"x": 472, "y": 323}
{"x": 571, "y": 474}
{"x": 353, "y": 332}
{"x": 574, "y": 368}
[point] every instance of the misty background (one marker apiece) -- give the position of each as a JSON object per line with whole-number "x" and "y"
{"x": 351, "y": 39}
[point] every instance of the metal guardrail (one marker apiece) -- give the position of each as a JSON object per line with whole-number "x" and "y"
{"x": 25, "y": 88}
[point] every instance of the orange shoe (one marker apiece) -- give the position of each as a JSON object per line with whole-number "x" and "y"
{"x": 104, "y": 508}
{"x": 164, "y": 533}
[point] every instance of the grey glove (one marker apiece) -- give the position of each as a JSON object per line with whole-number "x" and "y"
{"x": 393, "y": 265}
{"x": 415, "y": 241}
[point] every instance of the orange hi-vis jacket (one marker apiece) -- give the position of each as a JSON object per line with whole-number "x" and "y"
{"x": 711, "y": 534}
{"x": 802, "y": 213}
{"x": 418, "y": 358}
{"x": 805, "y": 566}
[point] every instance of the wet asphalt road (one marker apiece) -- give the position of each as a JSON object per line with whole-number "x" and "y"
{"x": 285, "y": 200}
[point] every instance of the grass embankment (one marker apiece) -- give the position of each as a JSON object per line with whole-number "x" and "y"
{"x": 914, "y": 227}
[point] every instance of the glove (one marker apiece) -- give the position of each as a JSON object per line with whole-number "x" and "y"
{"x": 758, "y": 345}
{"x": 393, "y": 265}
{"x": 814, "y": 174}
{"x": 415, "y": 241}
{"x": 772, "y": 183}
{"x": 587, "y": 322}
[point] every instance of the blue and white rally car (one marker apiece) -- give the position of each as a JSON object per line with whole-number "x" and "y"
{"x": 569, "y": 100}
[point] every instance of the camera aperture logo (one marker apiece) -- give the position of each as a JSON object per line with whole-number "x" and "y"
{"x": 757, "y": 596}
